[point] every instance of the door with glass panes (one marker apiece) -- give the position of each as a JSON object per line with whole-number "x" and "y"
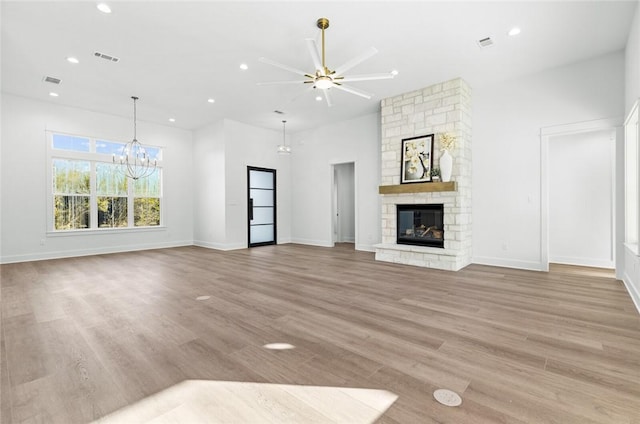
{"x": 261, "y": 196}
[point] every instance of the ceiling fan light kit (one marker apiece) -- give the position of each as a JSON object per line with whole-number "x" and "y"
{"x": 324, "y": 78}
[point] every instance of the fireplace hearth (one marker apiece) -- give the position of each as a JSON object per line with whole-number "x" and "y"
{"x": 421, "y": 225}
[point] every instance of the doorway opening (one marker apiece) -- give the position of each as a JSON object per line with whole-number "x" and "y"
{"x": 343, "y": 205}
{"x": 578, "y": 195}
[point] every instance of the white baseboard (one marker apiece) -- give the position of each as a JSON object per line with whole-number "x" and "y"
{"x": 321, "y": 243}
{"x": 88, "y": 252}
{"x": 633, "y": 291}
{"x": 596, "y": 263}
{"x": 219, "y": 246}
{"x": 507, "y": 263}
{"x": 365, "y": 247}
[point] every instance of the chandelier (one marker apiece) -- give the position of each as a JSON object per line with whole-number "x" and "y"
{"x": 134, "y": 160}
{"x": 283, "y": 148}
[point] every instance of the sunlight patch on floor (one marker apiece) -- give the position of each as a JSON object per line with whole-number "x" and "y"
{"x": 239, "y": 402}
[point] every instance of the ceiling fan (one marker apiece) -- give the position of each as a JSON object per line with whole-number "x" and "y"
{"x": 324, "y": 78}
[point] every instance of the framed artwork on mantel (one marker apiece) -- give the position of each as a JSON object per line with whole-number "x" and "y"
{"x": 417, "y": 159}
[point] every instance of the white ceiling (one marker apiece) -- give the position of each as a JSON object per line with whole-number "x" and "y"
{"x": 175, "y": 55}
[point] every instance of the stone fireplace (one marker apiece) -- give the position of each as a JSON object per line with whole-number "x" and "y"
{"x": 440, "y": 108}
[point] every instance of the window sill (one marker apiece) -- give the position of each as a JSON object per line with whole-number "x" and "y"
{"x": 633, "y": 248}
{"x": 92, "y": 232}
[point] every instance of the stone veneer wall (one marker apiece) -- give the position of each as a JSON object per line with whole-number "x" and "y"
{"x": 444, "y": 107}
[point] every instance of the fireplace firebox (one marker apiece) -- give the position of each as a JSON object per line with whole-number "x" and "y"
{"x": 421, "y": 225}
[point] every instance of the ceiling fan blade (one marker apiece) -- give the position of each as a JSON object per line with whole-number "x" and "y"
{"x": 352, "y": 90}
{"x": 315, "y": 55}
{"x": 301, "y": 93}
{"x": 281, "y": 82}
{"x": 285, "y": 67}
{"x": 327, "y": 97}
{"x": 369, "y": 77}
{"x": 356, "y": 60}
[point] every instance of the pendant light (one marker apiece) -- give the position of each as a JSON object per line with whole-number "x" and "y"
{"x": 283, "y": 148}
{"x": 134, "y": 160}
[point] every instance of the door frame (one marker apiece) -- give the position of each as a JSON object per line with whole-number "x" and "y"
{"x": 546, "y": 134}
{"x": 249, "y": 206}
{"x": 334, "y": 206}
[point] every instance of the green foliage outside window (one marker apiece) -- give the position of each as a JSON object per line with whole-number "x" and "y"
{"x": 71, "y": 180}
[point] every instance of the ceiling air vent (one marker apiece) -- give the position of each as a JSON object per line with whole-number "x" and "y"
{"x": 485, "y": 42}
{"x": 52, "y": 80}
{"x": 106, "y": 57}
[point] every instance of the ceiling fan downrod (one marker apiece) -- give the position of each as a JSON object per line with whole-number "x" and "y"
{"x": 323, "y": 23}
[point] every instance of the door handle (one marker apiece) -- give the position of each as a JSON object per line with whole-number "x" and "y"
{"x": 250, "y": 209}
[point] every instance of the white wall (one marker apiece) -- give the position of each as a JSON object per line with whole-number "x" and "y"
{"x": 24, "y": 194}
{"x": 630, "y": 271}
{"x": 247, "y": 145}
{"x": 632, "y": 63}
{"x": 580, "y": 198}
{"x": 227, "y": 148}
{"x": 507, "y": 119}
{"x": 209, "y": 186}
{"x": 314, "y": 152}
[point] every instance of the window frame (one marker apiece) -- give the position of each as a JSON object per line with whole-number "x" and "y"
{"x": 94, "y": 158}
{"x": 632, "y": 179}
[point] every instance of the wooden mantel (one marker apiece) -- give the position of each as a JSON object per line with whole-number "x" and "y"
{"x": 418, "y": 188}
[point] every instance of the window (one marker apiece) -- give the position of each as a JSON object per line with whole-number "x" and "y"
{"x": 88, "y": 191}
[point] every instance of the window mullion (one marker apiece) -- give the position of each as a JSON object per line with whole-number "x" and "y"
{"x": 130, "y": 203}
{"x": 93, "y": 202}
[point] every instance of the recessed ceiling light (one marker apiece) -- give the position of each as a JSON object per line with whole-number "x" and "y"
{"x": 104, "y": 7}
{"x": 514, "y": 31}
{"x": 72, "y": 59}
{"x": 52, "y": 94}
{"x": 211, "y": 100}
{"x": 319, "y": 98}
{"x": 172, "y": 119}
{"x": 244, "y": 66}
{"x": 394, "y": 72}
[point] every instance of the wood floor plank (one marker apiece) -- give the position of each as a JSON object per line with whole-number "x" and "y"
{"x": 85, "y": 338}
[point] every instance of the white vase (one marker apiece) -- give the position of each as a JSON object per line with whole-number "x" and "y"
{"x": 446, "y": 165}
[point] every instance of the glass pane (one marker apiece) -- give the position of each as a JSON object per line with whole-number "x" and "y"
{"x": 261, "y": 233}
{"x": 146, "y": 211}
{"x": 262, "y": 216}
{"x": 71, "y": 212}
{"x": 260, "y": 179}
{"x": 112, "y": 212}
{"x": 109, "y": 180}
{"x": 153, "y": 152}
{"x": 148, "y": 186}
{"x": 109, "y": 147}
{"x": 69, "y": 142}
{"x": 262, "y": 197}
{"x": 71, "y": 176}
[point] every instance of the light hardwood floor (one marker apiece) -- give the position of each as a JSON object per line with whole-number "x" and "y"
{"x": 84, "y": 338}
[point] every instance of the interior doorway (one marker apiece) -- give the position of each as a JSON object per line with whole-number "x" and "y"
{"x": 343, "y": 204}
{"x": 579, "y": 196}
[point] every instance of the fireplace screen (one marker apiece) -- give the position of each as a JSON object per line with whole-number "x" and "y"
{"x": 421, "y": 224}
